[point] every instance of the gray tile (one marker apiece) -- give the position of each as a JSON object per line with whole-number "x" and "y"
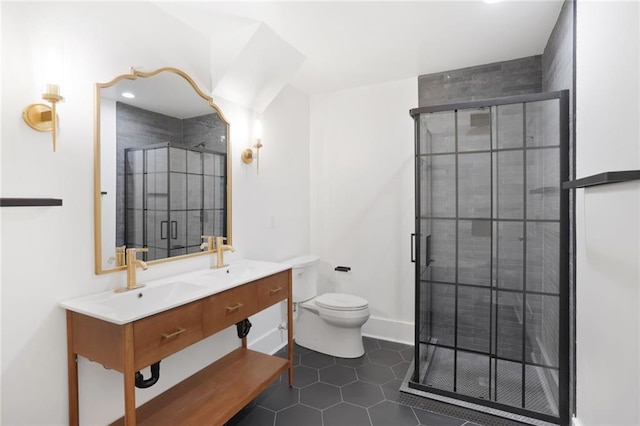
{"x": 299, "y": 350}
{"x": 316, "y": 360}
{"x": 385, "y": 357}
{"x": 391, "y": 390}
{"x": 282, "y": 396}
{"x": 320, "y": 395}
{"x": 370, "y": 344}
{"x": 428, "y": 418}
{"x": 408, "y": 353}
{"x": 345, "y": 414}
{"x": 375, "y": 373}
{"x": 338, "y": 375}
{"x": 400, "y": 370}
{"x": 299, "y": 415}
{"x": 353, "y": 362}
{"x": 390, "y": 413}
{"x": 362, "y": 394}
{"x": 303, "y": 376}
{"x": 392, "y": 345}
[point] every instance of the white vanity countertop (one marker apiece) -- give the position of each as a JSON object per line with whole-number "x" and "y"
{"x": 167, "y": 293}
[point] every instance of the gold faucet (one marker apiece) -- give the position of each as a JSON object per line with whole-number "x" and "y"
{"x": 208, "y": 245}
{"x": 132, "y": 265}
{"x": 220, "y": 249}
{"x": 119, "y": 257}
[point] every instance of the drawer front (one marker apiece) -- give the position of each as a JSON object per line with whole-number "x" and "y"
{"x": 161, "y": 335}
{"x": 272, "y": 289}
{"x": 229, "y": 307}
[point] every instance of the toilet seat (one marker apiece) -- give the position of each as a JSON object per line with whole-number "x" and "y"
{"x": 341, "y": 302}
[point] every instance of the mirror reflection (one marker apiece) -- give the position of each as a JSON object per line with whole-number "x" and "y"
{"x": 163, "y": 164}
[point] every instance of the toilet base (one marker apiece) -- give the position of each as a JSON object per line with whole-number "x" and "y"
{"x": 313, "y": 332}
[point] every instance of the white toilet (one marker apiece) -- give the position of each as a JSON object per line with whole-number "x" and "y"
{"x": 330, "y": 323}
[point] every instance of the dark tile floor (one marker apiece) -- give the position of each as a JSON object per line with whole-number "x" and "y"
{"x": 329, "y": 391}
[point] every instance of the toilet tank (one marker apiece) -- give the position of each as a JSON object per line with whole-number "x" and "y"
{"x": 304, "y": 277}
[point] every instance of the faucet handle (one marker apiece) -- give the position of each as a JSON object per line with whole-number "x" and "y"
{"x": 209, "y": 243}
{"x": 131, "y": 252}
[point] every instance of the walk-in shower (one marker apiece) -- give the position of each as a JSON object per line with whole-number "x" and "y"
{"x": 492, "y": 254}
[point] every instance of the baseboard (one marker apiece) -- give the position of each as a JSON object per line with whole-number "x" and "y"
{"x": 378, "y": 328}
{"x": 270, "y": 342}
{"x": 575, "y": 422}
{"x": 392, "y": 330}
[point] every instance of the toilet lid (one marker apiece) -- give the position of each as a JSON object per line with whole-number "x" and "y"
{"x": 341, "y": 302}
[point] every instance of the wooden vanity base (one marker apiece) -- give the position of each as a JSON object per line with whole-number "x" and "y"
{"x": 211, "y": 396}
{"x": 215, "y": 394}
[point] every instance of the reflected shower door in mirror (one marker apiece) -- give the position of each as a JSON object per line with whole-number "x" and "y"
{"x": 161, "y": 167}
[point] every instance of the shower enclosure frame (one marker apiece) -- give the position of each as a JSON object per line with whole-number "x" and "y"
{"x": 565, "y": 232}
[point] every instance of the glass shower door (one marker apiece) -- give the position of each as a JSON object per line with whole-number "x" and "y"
{"x": 492, "y": 232}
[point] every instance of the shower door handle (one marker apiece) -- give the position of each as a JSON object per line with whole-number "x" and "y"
{"x": 174, "y": 229}
{"x": 427, "y": 254}
{"x": 163, "y": 230}
{"x": 413, "y": 246}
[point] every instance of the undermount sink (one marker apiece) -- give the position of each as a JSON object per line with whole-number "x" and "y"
{"x": 161, "y": 295}
{"x": 134, "y": 304}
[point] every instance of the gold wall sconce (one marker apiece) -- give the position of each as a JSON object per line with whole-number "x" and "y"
{"x": 248, "y": 154}
{"x": 43, "y": 118}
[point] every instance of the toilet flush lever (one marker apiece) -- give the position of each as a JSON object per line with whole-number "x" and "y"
{"x": 342, "y": 268}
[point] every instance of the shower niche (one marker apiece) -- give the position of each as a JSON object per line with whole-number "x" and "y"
{"x": 173, "y": 195}
{"x": 492, "y": 254}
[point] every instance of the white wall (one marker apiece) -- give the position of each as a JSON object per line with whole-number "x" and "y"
{"x": 47, "y": 253}
{"x": 608, "y": 217}
{"x": 362, "y": 201}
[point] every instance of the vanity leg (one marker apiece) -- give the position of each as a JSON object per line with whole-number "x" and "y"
{"x": 290, "y": 330}
{"x": 129, "y": 378}
{"x": 72, "y": 372}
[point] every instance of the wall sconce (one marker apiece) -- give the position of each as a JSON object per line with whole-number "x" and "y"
{"x": 43, "y": 117}
{"x": 247, "y": 154}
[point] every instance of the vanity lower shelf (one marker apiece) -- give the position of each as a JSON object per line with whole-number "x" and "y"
{"x": 214, "y": 394}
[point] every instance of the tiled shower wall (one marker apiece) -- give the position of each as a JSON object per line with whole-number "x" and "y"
{"x": 508, "y": 78}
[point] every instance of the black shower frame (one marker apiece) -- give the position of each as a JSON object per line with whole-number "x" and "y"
{"x": 169, "y": 145}
{"x": 565, "y": 341}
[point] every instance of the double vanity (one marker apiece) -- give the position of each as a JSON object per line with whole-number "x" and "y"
{"x": 132, "y": 330}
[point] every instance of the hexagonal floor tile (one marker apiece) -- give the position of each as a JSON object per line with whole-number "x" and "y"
{"x": 391, "y": 390}
{"x": 320, "y": 395}
{"x": 408, "y": 353}
{"x": 302, "y": 376}
{"x": 316, "y": 360}
{"x": 389, "y": 413}
{"x": 386, "y": 357}
{"x": 400, "y": 370}
{"x": 345, "y": 414}
{"x": 281, "y": 396}
{"x": 396, "y": 346}
{"x": 338, "y": 375}
{"x": 375, "y": 373}
{"x": 370, "y": 344}
{"x": 362, "y": 394}
{"x": 433, "y": 419}
{"x": 299, "y": 415}
{"x": 353, "y": 362}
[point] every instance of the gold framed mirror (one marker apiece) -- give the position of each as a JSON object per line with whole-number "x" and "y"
{"x": 162, "y": 168}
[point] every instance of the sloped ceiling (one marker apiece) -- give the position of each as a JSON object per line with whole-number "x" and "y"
{"x": 258, "y": 47}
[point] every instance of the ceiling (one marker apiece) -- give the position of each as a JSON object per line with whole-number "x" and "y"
{"x": 258, "y": 48}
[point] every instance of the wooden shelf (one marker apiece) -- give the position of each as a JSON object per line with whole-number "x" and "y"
{"x": 30, "y": 202}
{"x": 602, "y": 179}
{"x": 215, "y": 394}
